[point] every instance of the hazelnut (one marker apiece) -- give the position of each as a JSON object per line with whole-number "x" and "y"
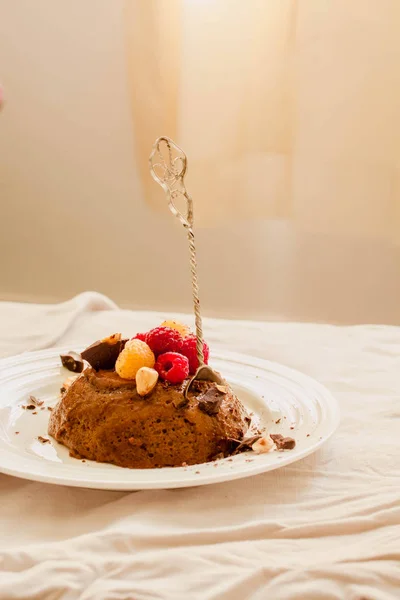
{"x": 112, "y": 339}
{"x": 146, "y": 379}
{"x": 263, "y": 445}
{"x": 221, "y": 388}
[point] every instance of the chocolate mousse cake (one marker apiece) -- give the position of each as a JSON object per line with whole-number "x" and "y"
{"x": 127, "y": 405}
{"x": 102, "y": 417}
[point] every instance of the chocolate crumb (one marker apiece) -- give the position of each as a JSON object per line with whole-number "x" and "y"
{"x": 17, "y": 432}
{"x": 308, "y": 435}
{"x": 197, "y": 472}
{"x": 29, "y": 407}
{"x": 244, "y": 444}
{"x": 277, "y": 421}
{"x": 63, "y": 389}
{"x": 83, "y": 460}
{"x": 35, "y": 401}
{"x": 49, "y": 408}
{"x": 43, "y": 440}
{"x": 72, "y": 361}
{"x": 34, "y": 412}
{"x": 283, "y": 443}
{"x": 210, "y": 401}
{"x": 292, "y": 427}
{"x": 42, "y": 408}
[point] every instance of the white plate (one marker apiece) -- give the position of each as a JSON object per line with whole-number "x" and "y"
{"x": 285, "y": 401}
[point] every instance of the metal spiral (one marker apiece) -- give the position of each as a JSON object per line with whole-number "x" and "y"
{"x": 169, "y": 173}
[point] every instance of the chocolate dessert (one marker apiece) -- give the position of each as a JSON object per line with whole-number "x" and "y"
{"x": 101, "y": 417}
{"x": 129, "y": 404}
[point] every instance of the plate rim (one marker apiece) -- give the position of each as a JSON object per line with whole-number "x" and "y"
{"x": 191, "y": 478}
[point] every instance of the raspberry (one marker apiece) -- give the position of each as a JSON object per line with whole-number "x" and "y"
{"x": 133, "y": 357}
{"x": 172, "y": 367}
{"x": 140, "y": 336}
{"x": 184, "y": 330}
{"x": 164, "y": 339}
{"x": 189, "y": 350}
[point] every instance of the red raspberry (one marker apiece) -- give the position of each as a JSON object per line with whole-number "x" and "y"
{"x": 164, "y": 339}
{"x": 172, "y": 367}
{"x": 189, "y": 350}
{"x": 140, "y": 336}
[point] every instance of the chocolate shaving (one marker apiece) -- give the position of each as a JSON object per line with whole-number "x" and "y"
{"x": 283, "y": 443}
{"x": 102, "y": 354}
{"x": 49, "y": 408}
{"x": 35, "y": 401}
{"x": 244, "y": 444}
{"x": 29, "y": 407}
{"x": 277, "y": 421}
{"x": 72, "y": 361}
{"x": 43, "y": 440}
{"x": 210, "y": 401}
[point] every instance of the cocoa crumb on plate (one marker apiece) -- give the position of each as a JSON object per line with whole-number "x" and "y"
{"x": 35, "y": 401}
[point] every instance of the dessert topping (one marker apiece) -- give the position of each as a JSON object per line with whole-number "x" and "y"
{"x": 135, "y": 355}
{"x": 146, "y": 380}
{"x": 189, "y": 350}
{"x": 43, "y": 440}
{"x": 263, "y": 445}
{"x": 244, "y": 444}
{"x": 283, "y": 443}
{"x": 183, "y": 329}
{"x": 221, "y": 388}
{"x": 164, "y": 339}
{"x": 140, "y": 336}
{"x": 210, "y": 401}
{"x": 102, "y": 354}
{"x": 172, "y": 367}
{"x": 112, "y": 339}
{"x": 72, "y": 361}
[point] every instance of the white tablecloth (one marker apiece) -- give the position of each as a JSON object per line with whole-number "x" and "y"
{"x": 326, "y": 527}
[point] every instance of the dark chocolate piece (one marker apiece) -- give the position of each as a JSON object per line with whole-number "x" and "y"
{"x": 102, "y": 354}
{"x": 283, "y": 443}
{"x": 210, "y": 401}
{"x": 43, "y": 440}
{"x": 72, "y": 361}
{"x": 244, "y": 444}
{"x": 30, "y": 407}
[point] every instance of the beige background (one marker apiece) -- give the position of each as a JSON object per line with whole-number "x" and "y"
{"x": 72, "y": 211}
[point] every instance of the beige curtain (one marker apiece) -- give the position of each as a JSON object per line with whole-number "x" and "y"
{"x": 287, "y": 109}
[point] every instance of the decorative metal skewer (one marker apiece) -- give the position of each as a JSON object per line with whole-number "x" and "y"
{"x": 168, "y": 164}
